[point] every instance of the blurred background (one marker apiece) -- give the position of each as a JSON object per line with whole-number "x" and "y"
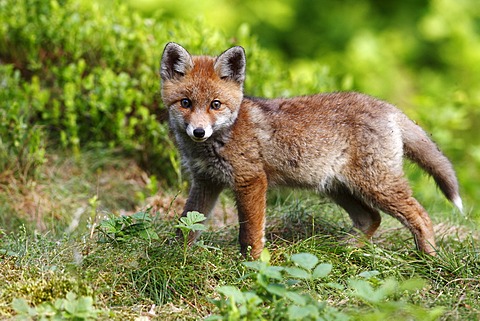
{"x": 80, "y": 75}
{"x": 424, "y": 56}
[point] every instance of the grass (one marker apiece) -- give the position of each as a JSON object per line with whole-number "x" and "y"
{"x": 44, "y": 257}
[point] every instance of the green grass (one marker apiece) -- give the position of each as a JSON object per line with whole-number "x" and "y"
{"x": 136, "y": 276}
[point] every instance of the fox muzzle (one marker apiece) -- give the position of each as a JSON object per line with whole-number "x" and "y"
{"x": 199, "y": 134}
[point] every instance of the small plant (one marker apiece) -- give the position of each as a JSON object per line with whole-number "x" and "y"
{"x": 382, "y": 299}
{"x": 124, "y": 228}
{"x": 276, "y": 297}
{"x": 70, "y": 308}
{"x": 287, "y": 293}
{"x": 190, "y": 224}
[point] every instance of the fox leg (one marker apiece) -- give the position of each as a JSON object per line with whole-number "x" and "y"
{"x": 251, "y": 203}
{"x": 395, "y": 198}
{"x": 365, "y": 218}
{"x": 202, "y": 197}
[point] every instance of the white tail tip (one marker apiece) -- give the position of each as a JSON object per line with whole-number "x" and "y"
{"x": 457, "y": 200}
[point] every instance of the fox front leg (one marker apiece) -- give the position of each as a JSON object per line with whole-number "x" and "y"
{"x": 251, "y": 204}
{"x": 202, "y": 198}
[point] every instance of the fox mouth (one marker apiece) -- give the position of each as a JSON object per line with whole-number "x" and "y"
{"x": 198, "y": 139}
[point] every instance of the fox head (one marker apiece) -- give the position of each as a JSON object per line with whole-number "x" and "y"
{"x": 203, "y": 94}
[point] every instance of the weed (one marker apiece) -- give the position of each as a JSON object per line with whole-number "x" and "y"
{"x": 124, "y": 228}
{"x": 70, "y": 308}
{"x": 190, "y": 224}
{"x": 285, "y": 293}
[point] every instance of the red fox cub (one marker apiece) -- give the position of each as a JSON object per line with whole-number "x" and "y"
{"x": 347, "y": 146}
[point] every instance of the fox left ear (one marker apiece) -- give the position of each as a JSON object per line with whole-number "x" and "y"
{"x": 231, "y": 64}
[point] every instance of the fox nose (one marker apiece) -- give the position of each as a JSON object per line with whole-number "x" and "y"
{"x": 199, "y": 132}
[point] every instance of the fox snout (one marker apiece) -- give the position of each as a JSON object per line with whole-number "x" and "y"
{"x": 199, "y": 133}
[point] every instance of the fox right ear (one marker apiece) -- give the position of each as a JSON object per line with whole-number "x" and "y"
{"x": 176, "y": 61}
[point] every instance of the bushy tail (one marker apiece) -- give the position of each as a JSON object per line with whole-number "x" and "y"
{"x": 419, "y": 148}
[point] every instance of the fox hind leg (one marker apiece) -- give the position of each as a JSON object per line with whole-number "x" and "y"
{"x": 395, "y": 198}
{"x": 365, "y": 218}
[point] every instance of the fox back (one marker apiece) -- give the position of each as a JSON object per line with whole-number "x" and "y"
{"x": 347, "y": 146}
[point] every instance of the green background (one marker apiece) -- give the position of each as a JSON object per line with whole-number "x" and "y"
{"x": 78, "y": 75}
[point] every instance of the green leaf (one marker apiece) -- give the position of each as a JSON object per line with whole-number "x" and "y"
{"x": 369, "y": 274}
{"x": 109, "y": 226}
{"x": 277, "y": 289}
{"x": 197, "y": 227}
{"x": 232, "y": 292}
{"x": 364, "y": 290}
{"x": 273, "y": 272}
{"x": 191, "y": 222}
{"x": 184, "y": 221}
{"x": 265, "y": 256}
{"x": 302, "y": 312}
{"x": 46, "y": 311}
{"x": 84, "y": 305}
{"x": 305, "y": 260}
{"x": 297, "y": 312}
{"x": 148, "y": 234}
{"x": 322, "y": 270}
{"x": 252, "y": 298}
{"x": 182, "y": 227}
{"x": 296, "y": 298}
{"x": 142, "y": 216}
{"x": 335, "y": 285}
{"x": 21, "y": 306}
{"x": 195, "y": 217}
{"x": 255, "y": 265}
{"x": 71, "y": 296}
{"x": 298, "y": 273}
{"x": 388, "y": 287}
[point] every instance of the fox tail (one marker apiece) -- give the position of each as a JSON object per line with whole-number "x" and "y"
{"x": 419, "y": 148}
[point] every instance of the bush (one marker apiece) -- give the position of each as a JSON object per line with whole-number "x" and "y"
{"x": 97, "y": 69}
{"x": 22, "y": 147}
{"x": 95, "y": 65}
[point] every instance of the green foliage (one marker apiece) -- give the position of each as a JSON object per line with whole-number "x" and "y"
{"x": 70, "y": 308}
{"x": 284, "y": 293}
{"x": 92, "y": 69}
{"x": 22, "y": 146}
{"x": 124, "y": 228}
{"x": 378, "y": 282}
{"x": 190, "y": 224}
{"x": 96, "y": 70}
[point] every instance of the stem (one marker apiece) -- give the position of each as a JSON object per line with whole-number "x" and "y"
{"x": 185, "y": 245}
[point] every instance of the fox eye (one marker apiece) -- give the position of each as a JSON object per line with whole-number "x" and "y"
{"x": 186, "y": 103}
{"x": 216, "y": 104}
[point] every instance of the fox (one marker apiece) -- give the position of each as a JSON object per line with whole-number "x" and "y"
{"x": 346, "y": 146}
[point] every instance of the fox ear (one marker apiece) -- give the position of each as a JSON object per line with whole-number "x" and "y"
{"x": 231, "y": 64}
{"x": 176, "y": 61}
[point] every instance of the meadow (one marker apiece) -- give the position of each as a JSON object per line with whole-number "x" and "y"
{"x": 91, "y": 187}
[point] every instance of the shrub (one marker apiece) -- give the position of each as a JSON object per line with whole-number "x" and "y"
{"x": 22, "y": 147}
{"x": 97, "y": 69}
{"x": 95, "y": 65}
